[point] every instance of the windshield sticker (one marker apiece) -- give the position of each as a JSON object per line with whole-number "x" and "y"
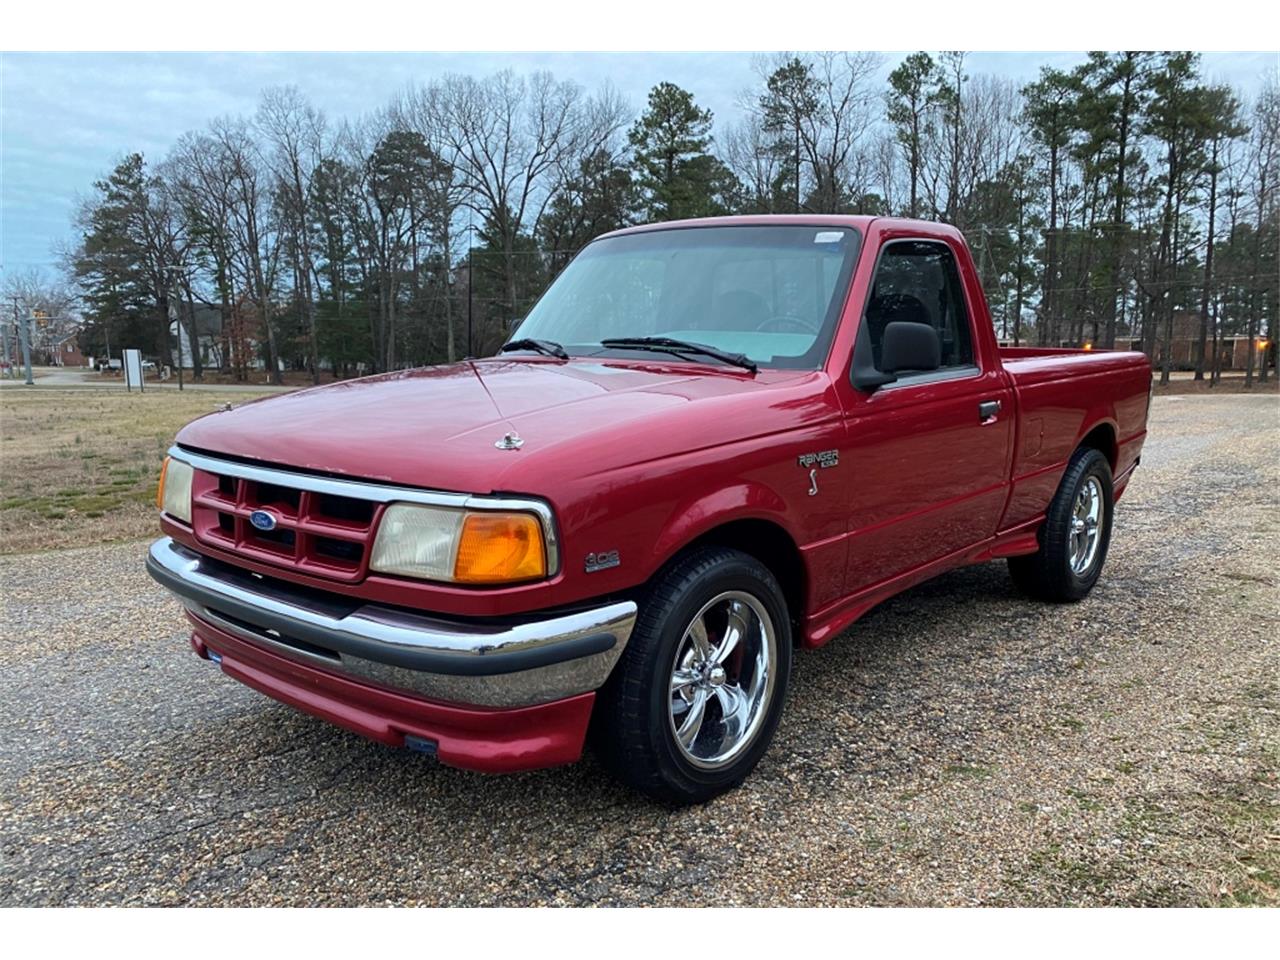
{"x": 828, "y": 236}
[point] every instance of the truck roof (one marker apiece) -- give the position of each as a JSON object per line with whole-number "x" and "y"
{"x": 858, "y": 221}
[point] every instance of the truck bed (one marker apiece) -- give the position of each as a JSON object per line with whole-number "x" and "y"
{"x": 1059, "y": 390}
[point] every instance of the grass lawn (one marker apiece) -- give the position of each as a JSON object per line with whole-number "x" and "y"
{"x": 1232, "y": 382}
{"x": 79, "y": 466}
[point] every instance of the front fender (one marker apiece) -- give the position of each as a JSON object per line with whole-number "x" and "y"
{"x": 697, "y": 516}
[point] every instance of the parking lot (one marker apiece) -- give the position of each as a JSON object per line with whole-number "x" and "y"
{"x": 959, "y": 745}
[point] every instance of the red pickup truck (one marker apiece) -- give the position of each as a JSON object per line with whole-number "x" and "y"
{"x": 710, "y": 443}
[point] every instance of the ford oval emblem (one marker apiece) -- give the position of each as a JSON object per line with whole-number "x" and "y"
{"x": 263, "y": 519}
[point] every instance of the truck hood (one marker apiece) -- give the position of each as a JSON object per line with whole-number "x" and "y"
{"x": 438, "y": 427}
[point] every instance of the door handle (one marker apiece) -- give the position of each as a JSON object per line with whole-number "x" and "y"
{"x": 987, "y": 410}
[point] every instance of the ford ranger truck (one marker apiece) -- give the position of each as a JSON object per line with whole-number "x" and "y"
{"x": 709, "y": 445}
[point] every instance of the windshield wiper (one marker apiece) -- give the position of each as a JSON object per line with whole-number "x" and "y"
{"x": 547, "y": 347}
{"x": 680, "y": 348}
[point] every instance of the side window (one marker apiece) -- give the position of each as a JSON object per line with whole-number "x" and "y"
{"x": 917, "y": 282}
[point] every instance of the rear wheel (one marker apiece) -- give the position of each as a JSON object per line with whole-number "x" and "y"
{"x": 694, "y": 701}
{"x": 1075, "y": 534}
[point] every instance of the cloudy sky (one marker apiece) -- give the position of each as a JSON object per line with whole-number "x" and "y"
{"x": 66, "y": 118}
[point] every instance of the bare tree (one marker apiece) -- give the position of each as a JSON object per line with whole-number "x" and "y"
{"x": 294, "y": 132}
{"x": 425, "y": 111}
{"x": 49, "y": 299}
{"x": 256, "y": 252}
{"x": 510, "y": 136}
{"x": 750, "y": 154}
{"x": 828, "y": 103}
{"x": 202, "y": 181}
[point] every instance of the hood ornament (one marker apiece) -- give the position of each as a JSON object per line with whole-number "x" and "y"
{"x": 509, "y": 442}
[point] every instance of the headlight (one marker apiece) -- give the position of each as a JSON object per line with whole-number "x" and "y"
{"x": 174, "y": 494}
{"x": 459, "y": 546}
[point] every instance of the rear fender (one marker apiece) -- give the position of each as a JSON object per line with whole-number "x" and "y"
{"x": 1102, "y": 415}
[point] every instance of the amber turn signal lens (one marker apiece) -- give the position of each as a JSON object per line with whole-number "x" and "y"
{"x": 164, "y": 469}
{"x": 500, "y": 548}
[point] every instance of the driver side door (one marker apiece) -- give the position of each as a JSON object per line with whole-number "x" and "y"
{"x": 930, "y": 458}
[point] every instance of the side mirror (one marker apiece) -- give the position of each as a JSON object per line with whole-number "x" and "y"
{"x": 865, "y": 375}
{"x": 910, "y": 346}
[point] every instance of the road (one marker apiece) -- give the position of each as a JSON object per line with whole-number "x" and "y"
{"x": 959, "y": 745}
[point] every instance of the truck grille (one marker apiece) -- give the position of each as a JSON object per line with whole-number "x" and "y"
{"x": 320, "y": 534}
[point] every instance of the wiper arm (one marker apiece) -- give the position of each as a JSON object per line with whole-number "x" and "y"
{"x": 680, "y": 348}
{"x": 546, "y": 347}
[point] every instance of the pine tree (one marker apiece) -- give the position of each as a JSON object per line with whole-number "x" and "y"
{"x": 1175, "y": 122}
{"x": 1221, "y": 122}
{"x": 125, "y": 256}
{"x": 1050, "y": 113}
{"x": 790, "y": 99}
{"x": 676, "y": 173}
{"x": 914, "y": 91}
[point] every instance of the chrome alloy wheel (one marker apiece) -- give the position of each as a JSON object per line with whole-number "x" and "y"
{"x": 1086, "y": 516}
{"x": 722, "y": 679}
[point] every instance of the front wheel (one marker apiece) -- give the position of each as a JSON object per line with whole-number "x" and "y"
{"x": 1075, "y": 534}
{"x": 694, "y": 701}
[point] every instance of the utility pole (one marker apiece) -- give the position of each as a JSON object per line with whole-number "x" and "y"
{"x": 471, "y": 272}
{"x": 22, "y": 332}
{"x": 25, "y": 333}
{"x": 4, "y": 339}
{"x": 171, "y": 270}
{"x": 471, "y": 283}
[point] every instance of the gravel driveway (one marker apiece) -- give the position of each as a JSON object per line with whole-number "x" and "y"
{"x": 960, "y": 745}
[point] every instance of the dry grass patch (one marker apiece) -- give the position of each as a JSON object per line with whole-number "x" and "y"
{"x": 1233, "y": 383}
{"x": 79, "y": 466}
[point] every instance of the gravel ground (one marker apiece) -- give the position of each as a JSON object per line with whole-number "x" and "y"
{"x": 960, "y": 745}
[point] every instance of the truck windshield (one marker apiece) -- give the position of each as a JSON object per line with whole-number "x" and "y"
{"x": 771, "y": 293}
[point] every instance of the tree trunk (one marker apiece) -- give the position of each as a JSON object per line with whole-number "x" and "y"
{"x": 509, "y": 247}
{"x": 162, "y": 307}
{"x": 264, "y": 306}
{"x": 303, "y": 258}
{"x": 273, "y": 354}
{"x": 1171, "y": 300}
{"x": 1085, "y": 303}
{"x": 389, "y": 313}
{"x": 1017, "y": 311}
{"x": 1215, "y": 365}
{"x": 450, "y": 346}
{"x": 224, "y": 326}
{"x": 1117, "y": 233}
{"x": 1050, "y": 333}
{"x": 1251, "y": 347}
{"x": 1164, "y": 289}
{"x": 797, "y": 166}
{"x": 915, "y": 164}
{"x": 1208, "y": 265}
{"x": 309, "y": 305}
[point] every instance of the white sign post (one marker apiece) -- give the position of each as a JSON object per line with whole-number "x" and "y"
{"x": 133, "y": 370}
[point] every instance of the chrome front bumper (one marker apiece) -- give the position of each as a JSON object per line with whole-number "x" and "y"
{"x": 492, "y": 664}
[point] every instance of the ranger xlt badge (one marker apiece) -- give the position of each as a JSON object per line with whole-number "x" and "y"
{"x": 823, "y": 459}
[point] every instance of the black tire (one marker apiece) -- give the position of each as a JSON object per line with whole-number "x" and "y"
{"x": 634, "y": 724}
{"x": 1048, "y": 574}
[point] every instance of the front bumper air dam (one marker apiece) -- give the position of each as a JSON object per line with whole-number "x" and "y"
{"x": 496, "y": 696}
